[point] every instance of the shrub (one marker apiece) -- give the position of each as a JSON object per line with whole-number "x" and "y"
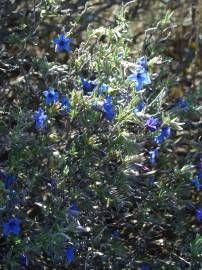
{"x": 90, "y": 180}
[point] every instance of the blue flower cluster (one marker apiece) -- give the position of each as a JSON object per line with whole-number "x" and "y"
{"x": 152, "y": 125}
{"x": 51, "y": 97}
{"x": 140, "y": 78}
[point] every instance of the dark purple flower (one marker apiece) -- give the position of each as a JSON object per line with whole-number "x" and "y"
{"x": 53, "y": 185}
{"x": 116, "y": 233}
{"x": 11, "y": 227}
{"x": 9, "y": 181}
{"x": 152, "y": 123}
{"x": 63, "y": 43}
{"x": 24, "y": 260}
{"x": 200, "y": 164}
{"x": 145, "y": 267}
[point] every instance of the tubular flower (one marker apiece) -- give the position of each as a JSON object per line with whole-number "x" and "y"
{"x": 66, "y": 104}
{"x": 165, "y": 133}
{"x": 108, "y": 108}
{"x": 70, "y": 254}
{"x": 88, "y": 86}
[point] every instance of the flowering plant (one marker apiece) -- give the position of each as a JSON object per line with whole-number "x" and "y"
{"x": 90, "y": 178}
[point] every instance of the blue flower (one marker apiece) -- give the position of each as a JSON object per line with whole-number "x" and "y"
{"x": 199, "y": 174}
{"x": 151, "y": 180}
{"x": 53, "y": 184}
{"x": 200, "y": 164}
{"x": 142, "y": 61}
{"x": 199, "y": 214}
{"x": 145, "y": 267}
{"x": 152, "y": 123}
{"x": 40, "y": 118}
{"x": 9, "y": 181}
{"x": 70, "y": 254}
{"x": 196, "y": 183}
{"x": 140, "y": 106}
{"x": 74, "y": 210}
{"x": 108, "y": 108}
{"x": 139, "y": 77}
{"x": 120, "y": 55}
{"x": 88, "y": 86}
{"x": 65, "y": 103}
{"x": 165, "y": 133}
{"x": 51, "y": 96}
{"x": 62, "y": 43}
{"x": 152, "y": 156}
{"x": 103, "y": 89}
{"x": 23, "y": 260}
{"x": 159, "y": 139}
{"x": 11, "y": 227}
{"x": 116, "y": 233}
{"x": 181, "y": 104}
